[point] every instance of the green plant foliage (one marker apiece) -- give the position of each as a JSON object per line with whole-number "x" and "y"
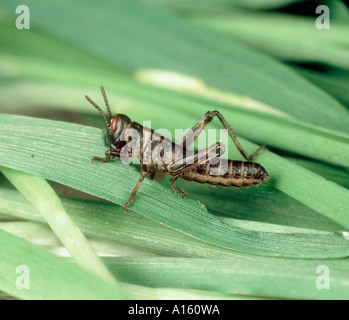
{"x": 68, "y": 147}
{"x": 170, "y": 62}
{"x": 68, "y": 280}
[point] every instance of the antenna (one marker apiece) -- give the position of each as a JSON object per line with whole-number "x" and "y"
{"x": 106, "y": 101}
{"x": 98, "y": 108}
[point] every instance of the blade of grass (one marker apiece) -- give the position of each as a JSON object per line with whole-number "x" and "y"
{"x": 135, "y": 99}
{"x": 73, "y": 146}
{"x": 341, "y": 148}
{"x": 304, "y": 41}
{"x": 140, "y": 292}
{"x": 118, "y": 31}
{"x": 108, "y": 222}
{"x": 339, "y": 11}
{"x": 57, "y": 50}
{"x": 265, "y": 204}
{"x": 237, "y": 277}
{"x": 334, "y": 174}
{"x": 137, "y": 272}
{"x": 221, "y": 5}
{"x": 50, "y": 277}
{"x": 147, "y": 293}
{"x": 336, "y": 85}
{"x": 40, "y": 234}
{"x": 43, "y": 197}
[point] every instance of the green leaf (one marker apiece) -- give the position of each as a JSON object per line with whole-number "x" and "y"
{"x": 109, "y": 222}
{"x": 305, "y": 43}
{"x": 136, "y": 36}
{"x": 135, "y": 99}
{"x": 70, "y": 281}
{"x": 42, "y": 196}
{"x": 63, "y": 56}
{"x": 221, "y": 5}
{"x": 336, "y": 84}
{"x": 66, "y": 150}
{"x": 50, "y": 277}
{"x": 237, "y": 277}
{"x": 147, "y": 293}
{"x": 265, "y": 205}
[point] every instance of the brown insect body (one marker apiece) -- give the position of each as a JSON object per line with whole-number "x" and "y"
{"x": 239, "y": 174}
{"x": 203, "y": 166}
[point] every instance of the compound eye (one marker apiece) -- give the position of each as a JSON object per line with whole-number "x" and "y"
{"x": 114, "y": 124}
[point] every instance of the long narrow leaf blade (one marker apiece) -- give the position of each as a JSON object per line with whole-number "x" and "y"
{"x": 42, "y": 196}
{"x": 49, "y": 277}
{"x": 66, "y": 150}
{"x": 237, "y": 277}
{"x": 139, "y": 36}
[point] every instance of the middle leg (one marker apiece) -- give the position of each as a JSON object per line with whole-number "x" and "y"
{"x": 135, "y": 189}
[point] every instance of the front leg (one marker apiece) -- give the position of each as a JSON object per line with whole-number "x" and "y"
{"x": 109, "y": 154}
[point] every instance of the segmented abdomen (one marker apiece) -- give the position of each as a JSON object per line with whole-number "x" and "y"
{"x": 228, "y": 173}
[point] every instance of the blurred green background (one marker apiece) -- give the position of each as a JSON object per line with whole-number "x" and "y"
{"x": 278, "y": 78}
